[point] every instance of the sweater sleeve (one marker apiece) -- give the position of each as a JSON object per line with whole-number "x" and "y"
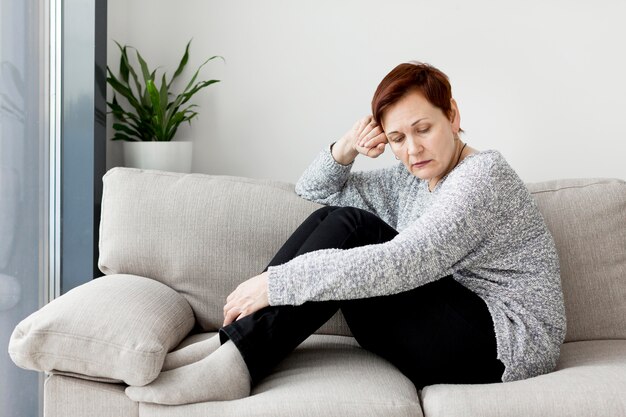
{"x": 461, "y": 217}
{"x": 328, "y": 182}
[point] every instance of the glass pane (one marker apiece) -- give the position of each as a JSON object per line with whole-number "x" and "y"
{"x": 77, "y": 145}
{"x": 23, "y": 189}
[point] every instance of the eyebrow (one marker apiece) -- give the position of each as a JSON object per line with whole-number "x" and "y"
{"x": 412, "y": 124}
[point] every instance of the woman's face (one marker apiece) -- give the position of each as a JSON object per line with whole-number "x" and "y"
{"x": 421, "y": 135}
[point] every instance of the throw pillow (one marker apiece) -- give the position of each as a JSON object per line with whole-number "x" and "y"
{"x": 114, "y": 328}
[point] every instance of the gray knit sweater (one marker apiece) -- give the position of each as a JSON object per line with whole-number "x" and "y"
{"x": 479, "y": 224}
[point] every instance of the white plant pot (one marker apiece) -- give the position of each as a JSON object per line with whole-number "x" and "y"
{"x": 162, "y": 156}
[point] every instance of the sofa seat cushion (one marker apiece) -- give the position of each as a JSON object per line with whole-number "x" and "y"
{"x": 325, "y": 376}
{"x": 590, "y": 380}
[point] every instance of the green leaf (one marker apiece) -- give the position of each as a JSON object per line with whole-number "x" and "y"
{"x": 193, "y": 79}
{"x": 188, "y": 107}
{"x": 142, "y": 129}
{"x": 157, "y": 108}
{"x": 151, "y": 115}
{"x": 202, "y": 84}
{"x": 185, "y": 97}
{"x": 164, "y": 96}
{"x": 121, "y": 136}
{"x": 175, "y": 122}
{"x": 182, "y": 64}
{"x": 124, "y": 66}
{"x": 130, "y": 119}
{"x": 126, "y": 129}
{"x": 163, "y": 93}
{"x": 155, "y": 98}
{"x": 115, "y": 106}
{"x": 144, "y": 68}
{"x": 145, "y": 71}
{"x": 132, "y": 72}
{"x": 123, "y": 90}
{"x": 190, "y": 116}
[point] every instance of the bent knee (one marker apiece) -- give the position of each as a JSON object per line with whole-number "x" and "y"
{"x": 354, "y": 215}
{"x": 352, "y": 211}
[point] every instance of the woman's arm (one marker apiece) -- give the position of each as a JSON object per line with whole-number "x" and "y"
{"x": 328, "y": 182}
{"x": 328, "y": 179}
{"x": 464, "y": 214}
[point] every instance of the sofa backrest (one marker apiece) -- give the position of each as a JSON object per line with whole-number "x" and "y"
{"x": 587, "y": 218}
{"x": 200, "y": 234}
{"x": 203, "y": 234}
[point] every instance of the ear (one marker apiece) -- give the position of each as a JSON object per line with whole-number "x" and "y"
{"x": 455, "y": 116}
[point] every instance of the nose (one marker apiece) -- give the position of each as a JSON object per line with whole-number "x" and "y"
{"x": 414, "y": 147}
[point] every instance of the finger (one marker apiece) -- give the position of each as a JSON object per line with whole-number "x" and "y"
{"x": 371, "y": 139}
{"x": 230, "y": 316}
{"x": 369, "y": 127}
{"x": 362, "y": 149}
{"x": 363, "y": 123}
{"x": 370, "y": 150}
{"x": 366, "y": 119}
{"x": 375, "y": 141}
{"x": 234, "y": 293}
{"x": 376, "y": 151}
{"x": 232, "y": 305}
{"x": 368, "y": 136}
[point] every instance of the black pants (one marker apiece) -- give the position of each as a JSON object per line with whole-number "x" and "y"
{"x": 440, "y": 332}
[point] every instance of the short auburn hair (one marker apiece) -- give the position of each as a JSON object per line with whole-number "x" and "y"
{"x": 431, "y": 82}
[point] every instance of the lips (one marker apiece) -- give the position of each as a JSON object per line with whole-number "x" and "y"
{"x": 421, "y": 164}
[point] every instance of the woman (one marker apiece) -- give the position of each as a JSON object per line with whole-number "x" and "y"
{"x": 441, "y": 264}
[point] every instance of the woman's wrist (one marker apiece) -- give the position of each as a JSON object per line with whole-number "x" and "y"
{"x": 343, "y": 154}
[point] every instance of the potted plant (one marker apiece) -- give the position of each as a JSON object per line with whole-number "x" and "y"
{"x": 154, "y": 113}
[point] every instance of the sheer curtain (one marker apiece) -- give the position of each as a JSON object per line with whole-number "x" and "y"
{"x": 24, "y": 187}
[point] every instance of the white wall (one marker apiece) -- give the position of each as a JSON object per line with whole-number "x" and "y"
{"x": 543, "y": 81}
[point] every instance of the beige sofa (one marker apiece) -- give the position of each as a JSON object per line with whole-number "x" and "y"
{"x": 201, "y": 235}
